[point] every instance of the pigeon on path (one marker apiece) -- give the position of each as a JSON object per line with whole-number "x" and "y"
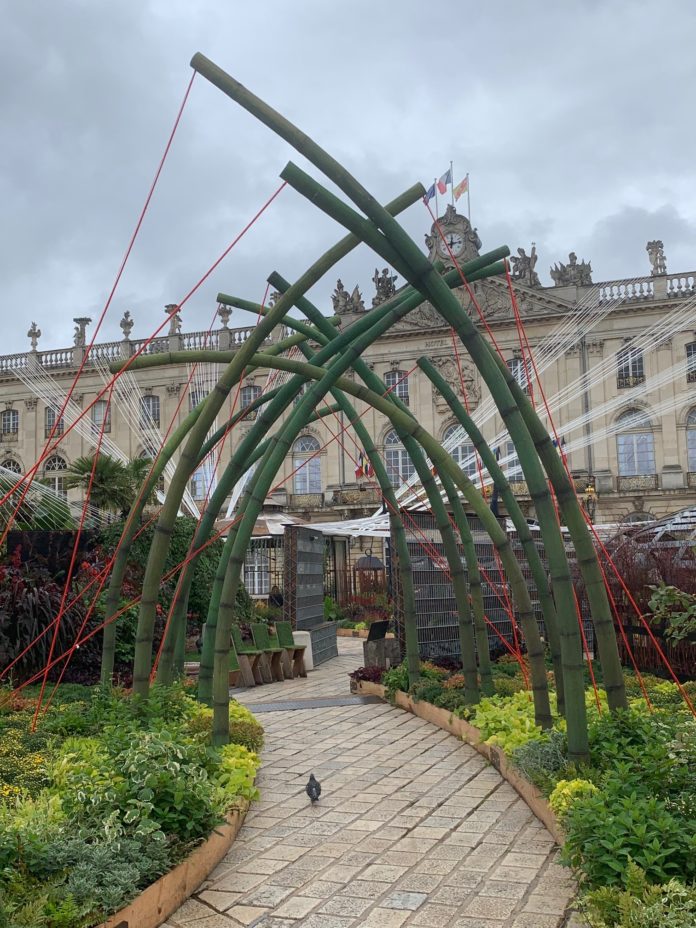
{"x": 313, "y": 788}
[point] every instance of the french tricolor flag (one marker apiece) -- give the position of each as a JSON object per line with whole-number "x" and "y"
{"x": 445, "y": 181}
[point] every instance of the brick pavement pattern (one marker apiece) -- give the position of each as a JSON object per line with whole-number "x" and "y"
{"x": 413, "y": 828}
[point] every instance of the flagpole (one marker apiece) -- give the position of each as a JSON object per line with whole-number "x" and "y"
{"x": 437, "y": 209}
{"x": 468, "y": 198}
{"x": 452, "y": 183}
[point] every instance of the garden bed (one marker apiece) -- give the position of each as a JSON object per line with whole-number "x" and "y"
{"x": 161, "y": 899}
{"x": 357, "y": 633}
{"x": 116, "y": 805}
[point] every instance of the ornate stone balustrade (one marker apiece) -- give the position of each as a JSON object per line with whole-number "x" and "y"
{"x": 192, "y": 341}
{"x": 627, "y": 290}
{"x": 11, "y": 362}
{"x": 59, "y": 357}
{"x": 637, "y": 483}
{"x": 306, "y": 501}
{"x": 680, "y": 285}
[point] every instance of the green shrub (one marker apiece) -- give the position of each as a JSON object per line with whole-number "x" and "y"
{"x": 642, "y": 905}
{"x": 607, "y": 830}
{"x": 506, "y": 722}
{"x": 543, "y": 760}
{"x": 568, "y": 792}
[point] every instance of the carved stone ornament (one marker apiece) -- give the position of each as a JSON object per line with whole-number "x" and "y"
{"x": 449, "y": 370}
{"x": 658, "y": 262}
{"x": 31, "y": 403}
{"x": 340, "y": 298}
{"x": 174, "y": 318}
{"x": 573, "y": 273}
{"x": 356, "y": 301}
{"x": 126, "y": 324}
{"x": 80, "y": 336}
{"x": 224, "y": 312}
{"x": 34, "y": 334}
{"x": 173, "y": 389}
{"x": 523, "y": 267}
{"x": 385, "y": 285}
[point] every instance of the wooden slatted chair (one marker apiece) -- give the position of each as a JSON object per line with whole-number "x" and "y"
{"x": 255, "y": 669}
{"x": 262, "y": 641}
{"x": 285, "y": 658}
{"x": 192, "y": 666}
{"x": 295, "y": 651}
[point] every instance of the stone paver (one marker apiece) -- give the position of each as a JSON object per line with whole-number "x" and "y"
{"x": 413, "y": 828}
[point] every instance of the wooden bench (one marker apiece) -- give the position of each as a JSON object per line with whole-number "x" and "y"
{"x": 254, "y": 668}
{"x": 295, "y": 651}
{"x": 273, "y": 654}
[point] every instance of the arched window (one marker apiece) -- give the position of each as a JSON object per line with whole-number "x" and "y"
{"x": 12, "y": 465}
{"x": 307, "y": 476}
{"x": 50, "y": 417}
{"x": 247, "y": 396}
{"x": 691, "y": 439}
{"x": 462, "y": 451}
{"x": 149, "y": 411}
{"x": 396, "y": 383}
{"x": 54, "y": 474}
{"x": 635, "y": 444}
{"x": 9, "y": 422}
{"x": 400, "y": 467}
{"x": 101, "y": 417}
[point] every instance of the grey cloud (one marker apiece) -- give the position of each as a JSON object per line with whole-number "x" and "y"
{"x": 570, "y": 118}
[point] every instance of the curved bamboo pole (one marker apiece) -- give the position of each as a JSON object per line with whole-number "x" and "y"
{"x": 196, "y": 437}
{"x": 516, "y": 515}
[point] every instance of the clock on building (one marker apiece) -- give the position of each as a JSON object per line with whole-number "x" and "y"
{"x": 454, "y": 239}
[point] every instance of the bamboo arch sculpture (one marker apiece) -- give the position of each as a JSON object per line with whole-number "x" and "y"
{"x": 324, "y": 372}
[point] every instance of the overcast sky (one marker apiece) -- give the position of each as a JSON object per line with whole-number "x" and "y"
{"x": 573, "y": 119}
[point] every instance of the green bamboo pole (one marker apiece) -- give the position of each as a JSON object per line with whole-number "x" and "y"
{"x": 212, "y": 405}
{"x": 266, "y": 473}
{"x": 466, "y": 633}
{"x": 405, "y": 256}
{"x": 516, "y": 515}
{"x": 477, "y": 269}
{"x": 595, "y": 588}
{"x": 475, "y": 586}
{"x": 120, "y": 561}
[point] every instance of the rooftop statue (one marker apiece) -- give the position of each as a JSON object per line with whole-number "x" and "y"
{"x": 572, "y": 274}
{"x": 523, "y": 267}
{"x": 385, "y": 285}
{"x": 126, "y": 324}
{"x": 658, "y": 262}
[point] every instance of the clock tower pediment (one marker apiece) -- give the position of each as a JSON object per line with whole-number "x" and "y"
{"x": 455, "y": 238}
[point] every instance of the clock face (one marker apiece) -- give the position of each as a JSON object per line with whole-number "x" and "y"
{"x": 454, "y": 243}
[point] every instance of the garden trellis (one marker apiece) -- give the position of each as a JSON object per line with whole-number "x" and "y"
{"x": 313, "y": 364}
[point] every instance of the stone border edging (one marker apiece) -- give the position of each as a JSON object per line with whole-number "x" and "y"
{"x": 447, "y": 721}
{"x": 162, "y": 898}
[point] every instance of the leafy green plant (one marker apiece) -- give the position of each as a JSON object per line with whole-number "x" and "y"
{"x": 543, "y": 760}
{"x": 507, "y": 722}
{"x": 568, "y": 792}
{"x": 641, "y": 905}
{"x": 332, "y": 611}
{"x": 674, "y": 611}
{"x": 608, "y": 829}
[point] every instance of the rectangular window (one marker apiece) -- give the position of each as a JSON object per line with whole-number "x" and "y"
{"x": 257, "y": 573}
{"x": 691, "y": 363}
{"x": 396, "y": 383}
{"x": 630, "y": 372}
{"x": 10, "y": 422}
{"x": 518, "y": 369}
{"x": 149, "y": 411}
{"x": 512, "y": 468}
{"x": 50, "y": 420}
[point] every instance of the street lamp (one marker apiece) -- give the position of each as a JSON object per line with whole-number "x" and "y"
{"x": 589, "y": 501}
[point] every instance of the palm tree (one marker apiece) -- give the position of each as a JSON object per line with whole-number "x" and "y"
{"x": 114, "y": 485}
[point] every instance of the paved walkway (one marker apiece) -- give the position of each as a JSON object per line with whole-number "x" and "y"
{"x": 413, "y": 828}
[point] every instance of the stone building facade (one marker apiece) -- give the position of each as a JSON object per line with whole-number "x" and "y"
{"x": 623, "y": 351}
